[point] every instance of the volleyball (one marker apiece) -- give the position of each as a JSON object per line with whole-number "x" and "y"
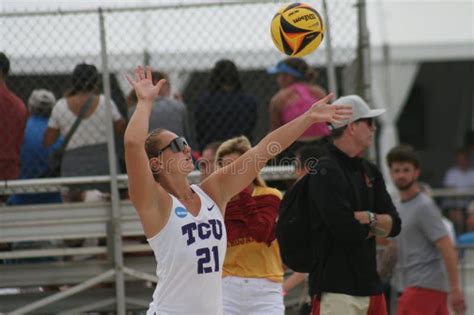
{"x": 297, "y": 29}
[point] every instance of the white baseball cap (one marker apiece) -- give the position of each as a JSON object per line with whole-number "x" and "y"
{"x": 41, "y": 99}
{"x": 360, "y": 109}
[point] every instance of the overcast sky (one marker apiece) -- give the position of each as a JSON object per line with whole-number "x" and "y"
{"x": 85, "y": 4}
{"x": 223, "y": 29}
{"x": 75, "y": 4}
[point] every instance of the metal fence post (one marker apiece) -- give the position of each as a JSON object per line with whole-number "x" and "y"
{"x": 364, "y": 51}
{"x": 332, "y": 82}
{"x": 364, "y": 68}
{"x": 115, "y": 231}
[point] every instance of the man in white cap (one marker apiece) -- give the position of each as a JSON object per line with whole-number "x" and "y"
{"x": 34, "y": 156}
{"x": 349, "y": 205}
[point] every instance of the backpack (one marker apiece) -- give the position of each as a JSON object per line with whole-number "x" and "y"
{"x": 295, "y": 229}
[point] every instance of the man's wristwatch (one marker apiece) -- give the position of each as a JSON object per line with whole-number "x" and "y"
{"x": 372, "y": 219}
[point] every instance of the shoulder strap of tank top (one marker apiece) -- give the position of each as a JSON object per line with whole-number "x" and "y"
{"x": 199, "y": 190}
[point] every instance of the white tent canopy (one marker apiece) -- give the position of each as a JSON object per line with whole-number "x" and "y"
{"x": 404, "y": 34}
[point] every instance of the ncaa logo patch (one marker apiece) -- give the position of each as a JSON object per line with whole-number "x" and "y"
{"x": 181, "y": 212}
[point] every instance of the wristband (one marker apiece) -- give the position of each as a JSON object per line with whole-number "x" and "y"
{"x": 372, "y": 219}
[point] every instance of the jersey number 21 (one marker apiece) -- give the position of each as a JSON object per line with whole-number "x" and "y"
{"x": 205, "y": 260}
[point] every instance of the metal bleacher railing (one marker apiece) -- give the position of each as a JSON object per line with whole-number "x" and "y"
{"x": 62, "y": 222}
{"x": 86, "y": 285}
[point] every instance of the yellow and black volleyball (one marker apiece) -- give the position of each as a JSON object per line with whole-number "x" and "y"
{"x": 297, "y": 29}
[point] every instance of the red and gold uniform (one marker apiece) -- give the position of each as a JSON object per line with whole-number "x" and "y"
{"x": 252, "y": 249}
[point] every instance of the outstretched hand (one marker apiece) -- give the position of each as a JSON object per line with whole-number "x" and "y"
{"x": 143, "y": 84}
{"x": 321, "y": 111}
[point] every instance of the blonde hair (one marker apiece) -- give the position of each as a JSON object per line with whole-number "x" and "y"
{"x": 238, "y": 145}
{"x": 152, "y": 146}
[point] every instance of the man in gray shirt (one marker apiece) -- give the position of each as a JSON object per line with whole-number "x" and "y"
{"x": 427, "y": 260}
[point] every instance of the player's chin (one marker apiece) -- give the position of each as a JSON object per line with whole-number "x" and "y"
{"x": 186, "y": 166}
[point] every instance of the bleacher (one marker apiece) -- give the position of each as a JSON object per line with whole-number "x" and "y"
{"x": 86, "y": 285}
{"x": 91, "y": 284}
{"x": 63, "y": 222}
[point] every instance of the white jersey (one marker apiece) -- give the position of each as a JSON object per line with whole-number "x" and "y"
{"x": 190, "y": 253}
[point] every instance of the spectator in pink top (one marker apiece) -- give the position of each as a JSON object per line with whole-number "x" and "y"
{"x": 13, "y": 116}
{"x": 296, "y": 95}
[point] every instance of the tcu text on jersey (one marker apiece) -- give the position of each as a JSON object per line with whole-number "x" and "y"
{"x": 202, "y": 230}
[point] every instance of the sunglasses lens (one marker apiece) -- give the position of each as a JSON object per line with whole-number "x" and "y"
{"x": 369, "y": 121}
{"x": 178, "y": 144}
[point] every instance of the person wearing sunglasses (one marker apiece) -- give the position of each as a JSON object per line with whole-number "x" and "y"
{"x": 184, "y": 223}
{"x": 350, "y": 204}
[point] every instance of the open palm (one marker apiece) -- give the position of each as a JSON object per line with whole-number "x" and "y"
{"x": 143, "y": 84}
{"x": 321, "y": 111}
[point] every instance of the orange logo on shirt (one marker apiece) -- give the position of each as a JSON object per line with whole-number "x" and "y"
{"x": 369, "y": 182}
{"x": 240, "y": 241}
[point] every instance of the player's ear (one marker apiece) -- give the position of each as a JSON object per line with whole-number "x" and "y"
{"x": 156, "y": 165}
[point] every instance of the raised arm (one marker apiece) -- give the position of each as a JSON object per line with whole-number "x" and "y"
{"x": 275, "y": 109}
{"x": 144, "y": 192}
{"x": 230, "y": 180}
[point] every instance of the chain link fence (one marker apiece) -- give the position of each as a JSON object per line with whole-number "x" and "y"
{"x": 181, "y": 42}
{"x": 69, "y": 55}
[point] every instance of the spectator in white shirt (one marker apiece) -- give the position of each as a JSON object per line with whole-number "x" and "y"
{"x": 86, "y": 153}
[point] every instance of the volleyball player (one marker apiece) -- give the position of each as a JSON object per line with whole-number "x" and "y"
{"x": 184, "y": 223}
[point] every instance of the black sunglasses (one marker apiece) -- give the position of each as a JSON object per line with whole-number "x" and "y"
{"x": 177, "y": 145}
{"x": 369, "y": 121}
